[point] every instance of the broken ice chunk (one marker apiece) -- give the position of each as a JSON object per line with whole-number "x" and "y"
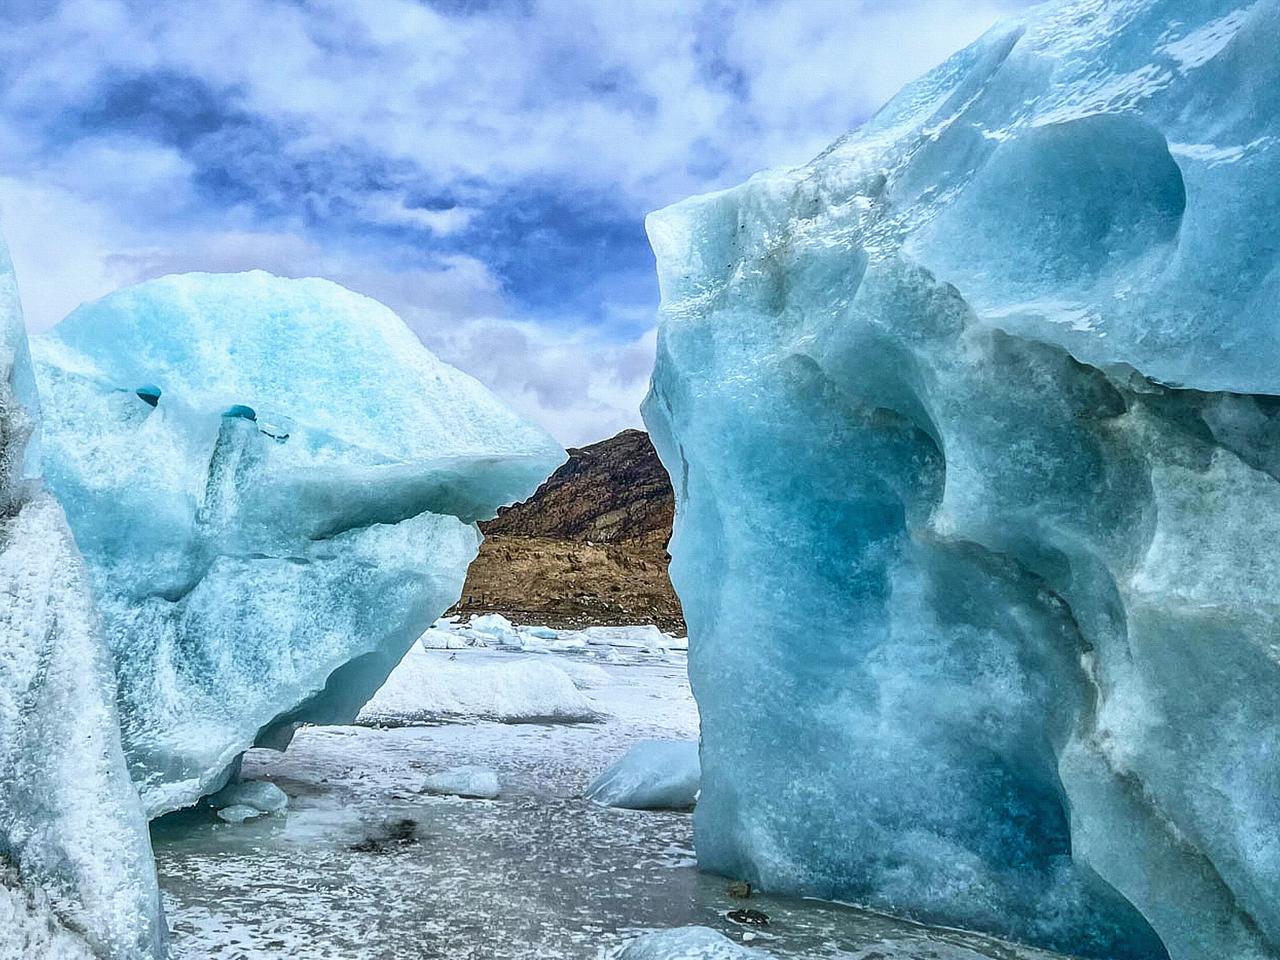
{"x": 685, "y": 943}
{"x": 653, "y": 775}
{"x": 261, "y": 796}
{"x": 473, "y": 782}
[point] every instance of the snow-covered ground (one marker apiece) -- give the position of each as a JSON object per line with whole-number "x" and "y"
{"x": 366, "y": 865}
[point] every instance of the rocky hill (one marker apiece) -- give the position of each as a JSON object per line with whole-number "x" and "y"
{"x": 589, "y": 547}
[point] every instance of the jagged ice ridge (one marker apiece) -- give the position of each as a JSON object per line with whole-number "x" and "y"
{"x": 275, "y": 486}
{"x": 76, "y": 875}
{"x": 973, "y": 423}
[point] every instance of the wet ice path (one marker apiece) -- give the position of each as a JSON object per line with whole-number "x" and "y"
{"x": 537, "y": 873}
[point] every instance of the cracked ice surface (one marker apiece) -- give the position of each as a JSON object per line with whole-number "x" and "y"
{"x": 275, "y": 487}
{"x": 540, "y": 873}
{"x": 973, "y": 427}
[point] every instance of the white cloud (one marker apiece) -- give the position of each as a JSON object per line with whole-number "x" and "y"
{"x": 502, "y": 95}
{"x": 61, "y": 248}
{"x": 644, "y": 101}
{"x": 576, "y": 384}
{"x": 393, "y": 209}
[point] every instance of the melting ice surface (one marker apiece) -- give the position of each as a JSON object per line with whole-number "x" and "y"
{"x": 686, "y": 943}
{"x": 973, "y": 425}
{"x": 653, "y": 775}
{"x": 76, "y": 877}
{"x": 274, "y": 485}
{"x": 368, "y": 863}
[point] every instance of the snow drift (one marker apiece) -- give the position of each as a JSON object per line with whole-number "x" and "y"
{"x": 973, "y": 427}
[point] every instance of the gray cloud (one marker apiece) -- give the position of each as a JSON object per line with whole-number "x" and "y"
{"x": 369, "y": 140}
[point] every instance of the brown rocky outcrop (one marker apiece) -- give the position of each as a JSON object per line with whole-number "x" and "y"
{"x": 589, "y": 547}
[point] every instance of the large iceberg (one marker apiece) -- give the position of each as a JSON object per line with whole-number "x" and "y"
{"x": 76, "y": 875}
{"x": 974, "y": 425}
{"x": 274, "y": 485}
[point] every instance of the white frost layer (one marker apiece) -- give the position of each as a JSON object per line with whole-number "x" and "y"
{"x": 30, "y": 930}
{"x": 429, "y": 685}
{"x": 685, "y": 943}
{"x": 653, "y": 775}
{"x": 274, "y": 484}
{"x": 466, "y": 781}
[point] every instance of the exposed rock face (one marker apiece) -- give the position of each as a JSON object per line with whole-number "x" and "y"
{"x": 614, "y": 491}
{"x": 588, "y": 547}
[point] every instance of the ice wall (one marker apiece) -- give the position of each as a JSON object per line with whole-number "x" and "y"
{"x": 76, "y": 876}
{"x": 973, "y": 423}
{"x": 274, "y": 485}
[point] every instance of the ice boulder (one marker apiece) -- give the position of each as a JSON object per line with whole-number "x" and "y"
{"x": 652, "y": 775}
{"x": 685, "y": 943}
{"x": 495, "y": 628}
{"x": 245, "y": 799}
{"x": 477, "y": 783}
{"x": 77, "y": 878}
{"x": 275, "y": 486}
{"x": 973, "y": 425}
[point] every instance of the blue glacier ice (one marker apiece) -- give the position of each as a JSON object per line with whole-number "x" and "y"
{"x": 974, "y": 422}
{"x": 76, "y": 875}
{"x": 275, "y": 487}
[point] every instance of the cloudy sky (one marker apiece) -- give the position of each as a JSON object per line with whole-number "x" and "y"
{"x": 483, "y": 167}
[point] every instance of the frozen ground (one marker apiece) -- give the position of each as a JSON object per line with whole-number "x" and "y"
{"x": 363, "y": 866}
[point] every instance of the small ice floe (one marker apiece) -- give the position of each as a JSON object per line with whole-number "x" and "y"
{"x": 478, "y": 783}
{"x": 445, "y": 635}
{"x": 653, "y": 775}
{"x": 239, "y": 813}
{"x": 246, "y": 799}
{"x": 495, "y": 630}
{"x": 430, "y": 686}
{"x": 638, "y": 636}
{"x": 685, "y": 943}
